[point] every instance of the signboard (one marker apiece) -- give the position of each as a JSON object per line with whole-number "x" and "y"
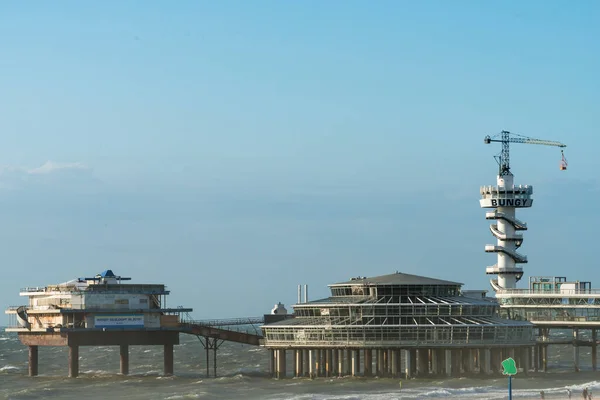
{"x": 507, "y": 202}
{"x": 509, "y": 367}
{"x": 119, "y": 321}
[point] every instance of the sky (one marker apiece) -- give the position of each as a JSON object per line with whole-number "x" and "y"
{"x": 233, "y": 150}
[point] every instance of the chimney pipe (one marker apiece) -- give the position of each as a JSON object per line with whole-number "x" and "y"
{"x": 306, "y": 293}
{"x": 299, "y": 294}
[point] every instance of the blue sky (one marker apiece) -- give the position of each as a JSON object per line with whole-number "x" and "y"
{"x": 235, "y": 149}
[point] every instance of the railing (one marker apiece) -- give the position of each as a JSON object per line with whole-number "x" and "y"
{"x": 553, "y": 292}
{"x": 234, "y": 324}
{"x": 225, "y": 322}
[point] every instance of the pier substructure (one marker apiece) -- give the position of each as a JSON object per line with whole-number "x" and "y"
{"x": 168, "y": 359}
{"x": 394, "y": 362}
{"x": 423, "y": 362}
{"x": 124, "y": 359}
{"x": 33, "y": 360}
{"x": 437, "y": 361}
{"x": 485, "y": 358}
{"x": 468, "y": 361}
{"x": 448, "y": 362}
{"x": 299, "y": 363}
{"x": 387, "y": 363}
{"x": 412, "y": 362}
{"x": 334, "y": 362}
{"x": 456, "y": 362}
{"x": 75, "y": 339}
{"x": 73, "y": 361}
{"x": 594, "y": 353}
{"x": 576, "y": 349}
{"x": 281, "y": 364}
{"x": 306, "y": 361}
{"x": 526, "y": 359}
{"x": 209, "y": 343}
{"x": 355, "y": 362}
{"x": 368, "y": 366}
{"x": 348, "y": 369}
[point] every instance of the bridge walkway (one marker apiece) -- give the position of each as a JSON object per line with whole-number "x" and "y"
{"x": 212, "y": 333}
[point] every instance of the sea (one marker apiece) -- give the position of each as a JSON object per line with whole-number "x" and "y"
{"x": 243, "y": 374}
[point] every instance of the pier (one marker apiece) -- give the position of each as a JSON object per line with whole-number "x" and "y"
{"x": 104, "y": 311}
{"x": 396, "y": 325}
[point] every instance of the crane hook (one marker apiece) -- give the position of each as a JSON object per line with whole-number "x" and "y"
{"x": 563, "y": 161}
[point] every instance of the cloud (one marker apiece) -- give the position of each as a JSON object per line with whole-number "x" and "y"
{"x": 49, "y": 173}
{"x": 51, "y": 167}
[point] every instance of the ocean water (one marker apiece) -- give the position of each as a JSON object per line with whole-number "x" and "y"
{"x": 243, "y": 374}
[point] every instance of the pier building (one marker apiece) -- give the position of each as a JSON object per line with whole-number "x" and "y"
{"x": 552, "y": 303}
{"x": 97, "y": 311}
{"x": 397, "y": 325}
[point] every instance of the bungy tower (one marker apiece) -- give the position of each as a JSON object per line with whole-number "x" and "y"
{"x": 504, "y": 199}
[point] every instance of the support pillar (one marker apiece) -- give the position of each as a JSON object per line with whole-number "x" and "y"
{"x": 305, "y": 362}
{"x": 545, "y": 358}
{"x": 311, "y": 363}
{"x": 526, "y": 359}
{"x": 386, "y": 362}
{"x": 355, "y": 362}
{"x": 124, "y": 356}
{"x": 318, "y": 362}
{"x": 368, "y": 362}
{"x": 448, "y": 361}
{"x": 348, "y": 368}
{"x": 73, "y": 361}
{"x": 468, "y": 361}
{"x": 33, "y": 360}
{"x": 272, "y": 363}
{"x": 299, "y": 363}
{"x": 594, "y": 354}
{"x": 394, "y": 363}
{"x": 413, "y": 362}
{"x": 576, "y": 349}
{"x": 334, "y": 362}
{"x": 378, "y": 362}
{"x": 327, "y": 362}
{"x": 281, "y": 364}
{"x": 496, "y": 360}
{"x": 485, "y": 358}
{"x": 408, "y": 371}
{"x": 456, "y": 361}
{"x": 168, "y": 359}
{"x": 422, "y": 362}
{"x": 437, "y": 361}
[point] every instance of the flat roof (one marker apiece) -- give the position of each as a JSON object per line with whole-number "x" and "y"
{"x": 399, "y": 278}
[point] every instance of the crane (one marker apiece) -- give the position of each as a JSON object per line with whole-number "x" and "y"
{"x": 506, "y": 138}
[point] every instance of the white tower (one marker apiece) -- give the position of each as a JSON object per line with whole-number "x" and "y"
{"x": 505, "y": 198}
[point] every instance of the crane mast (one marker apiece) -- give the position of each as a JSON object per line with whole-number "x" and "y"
{"x": 506, "y": 138}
